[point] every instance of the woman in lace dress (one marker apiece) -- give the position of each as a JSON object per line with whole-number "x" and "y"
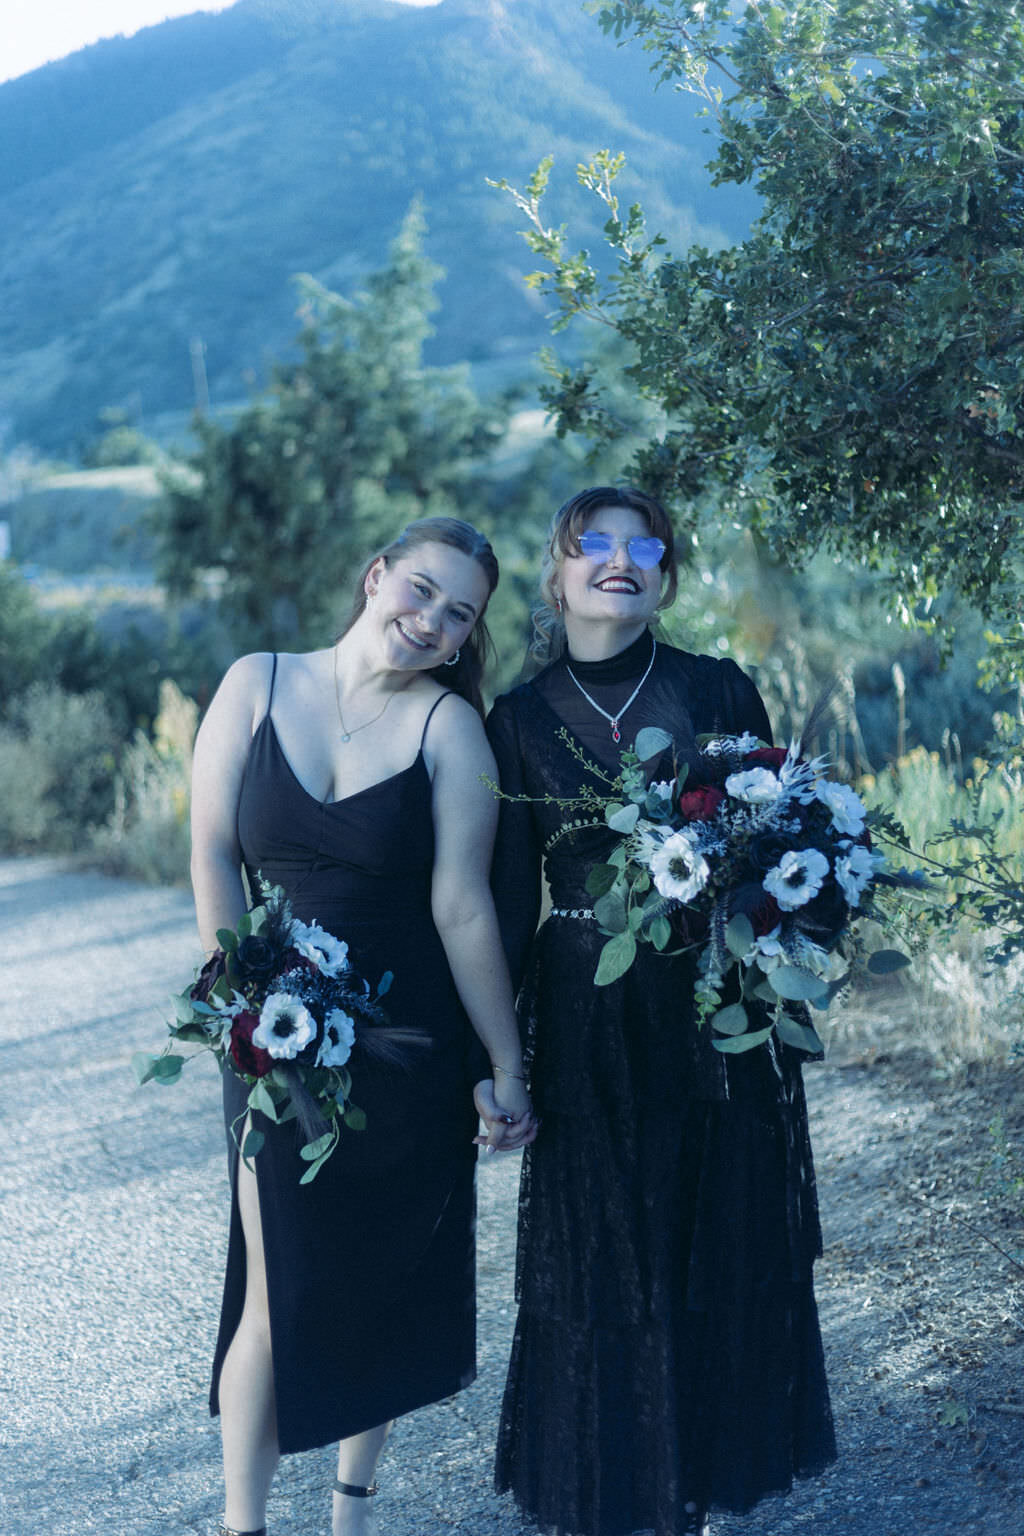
{"x": 667, "y": 1357}
{"x": 351, "y": 777}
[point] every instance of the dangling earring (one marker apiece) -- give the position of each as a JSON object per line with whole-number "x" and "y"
{"x": 453, "y": 659}
{"x": 558, "y": 605}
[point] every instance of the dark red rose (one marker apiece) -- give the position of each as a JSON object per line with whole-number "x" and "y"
{"x": 765, "y": 757}
{"x": 248, "y": 1058}
{"x": 208, "y": 977}
{"x": 700, "y": 804}
{"x": 766, "y": 915}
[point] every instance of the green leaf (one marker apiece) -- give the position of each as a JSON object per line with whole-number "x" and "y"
{"x": 228, "y": 940}
{"x": 259, "y": 1098}
{"x": 802, "y": 1036}
{"x": 610, "y": 912}
{"x": 314, "y": 1149}
{"x": 651, "y": 742}
{"x": 731, "y": 1020}
{"x": 735, "y": 1045}
{"x": 601, "y": 879}
{"x": 252, "y": 1144}
{"x": 184, "y": 1011}
{"x": 739, "y": 935}
{"x": 167, "y": 1069}
{"x": 660, "y": 932}
{"x": 355, "y": 1118}
{"x": 884, "y": 961}
{"x": 244, "y": 928}
{"x": 142, "y": 1066}
{"x": 615, "y": 959}
{"x": 622, "y": 818}
{"x": 311, "y": 1172}
{"x": 794, "y": 984}
{"x": 384, "y": 985}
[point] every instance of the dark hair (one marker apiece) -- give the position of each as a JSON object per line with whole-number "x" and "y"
{"x": 564, "y": 539}
{"x": 466, "y": 675}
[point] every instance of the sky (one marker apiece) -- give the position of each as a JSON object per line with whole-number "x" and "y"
{"x": 35, "y": 32}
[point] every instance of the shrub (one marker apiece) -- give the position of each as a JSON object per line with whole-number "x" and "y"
{"x": 58, "y": 755}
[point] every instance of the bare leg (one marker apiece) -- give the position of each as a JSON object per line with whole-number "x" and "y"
{"x": 357, "y": 1461}
{"x": 248, "y": 1416}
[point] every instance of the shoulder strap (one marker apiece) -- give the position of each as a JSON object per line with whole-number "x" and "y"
{"x": 273, "y": 676}
{"x": 430, "y": 715}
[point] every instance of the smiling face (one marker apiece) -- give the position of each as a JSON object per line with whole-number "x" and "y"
{"x": 424, "y": 605}
{"x": 611, "y": 590}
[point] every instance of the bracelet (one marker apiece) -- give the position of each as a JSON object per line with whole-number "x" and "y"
{"x": 516, "y": 1075}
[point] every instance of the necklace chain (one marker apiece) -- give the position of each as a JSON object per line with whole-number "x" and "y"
{"x": 346, "y": 734}
{"x": 614, "y": 719}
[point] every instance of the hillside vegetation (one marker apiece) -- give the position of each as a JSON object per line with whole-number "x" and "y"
{"x": 160, "y": 192}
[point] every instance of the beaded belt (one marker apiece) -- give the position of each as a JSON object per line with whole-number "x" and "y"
{"x": 571, "y": 912}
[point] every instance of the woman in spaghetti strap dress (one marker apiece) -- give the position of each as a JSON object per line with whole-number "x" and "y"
{"x": 667, "y": 1358}
{"x": 351, "y": 777}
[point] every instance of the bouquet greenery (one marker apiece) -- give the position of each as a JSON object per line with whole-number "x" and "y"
{"x": 279, "y": 1004}
{"x": 760, "y": 855}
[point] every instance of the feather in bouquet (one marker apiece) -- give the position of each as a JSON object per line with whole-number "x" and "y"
{"x": 757, "y": 859}
{"x": 279, "y": 1005}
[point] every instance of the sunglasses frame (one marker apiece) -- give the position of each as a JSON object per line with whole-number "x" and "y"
{"x": 612, "y": 544}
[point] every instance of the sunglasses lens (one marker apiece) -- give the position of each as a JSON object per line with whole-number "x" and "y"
{"x": 596, "y": 546}
{"x": 645, "y": 553}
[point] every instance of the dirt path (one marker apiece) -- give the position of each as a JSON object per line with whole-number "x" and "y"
{"x": 112, "y": 1214}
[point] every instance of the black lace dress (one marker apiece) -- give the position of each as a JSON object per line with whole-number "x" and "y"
{"x": 667, "y": 1352}
{"x": 370, "y": 1268}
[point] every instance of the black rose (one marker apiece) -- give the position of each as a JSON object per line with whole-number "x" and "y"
{"x": 256, "y": 958}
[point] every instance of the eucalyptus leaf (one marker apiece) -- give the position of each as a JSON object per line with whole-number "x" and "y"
{"x": 314, "y": 1149}
{"x": 795, "y": 985}
{"x": 622, "y": 818}
{"x": 731, "y": 1020}
{"x": 802, "y": 1036}
{"x": 183, "y": 1009}
{"x": 228, "y": 940}
{"x": 635, "y": 916}
{"x": 601, "y": 879}
{"x": 615, "y": 959}
{"x": 253, "y": 1143}
{"x": 355, "y": 1118}
{"x": 651, "y": 742}
{"x": 735, "y": 1045}
{"x": 142, "y": 1065}
{"x": 244, "y": 928}
{"x": 259, "y": 1098}
{"x": 610, "y": 912}
{"x": 660, "y": 932}
{"x": 167, "y": 1069}
{"x": 884, "y": 961}
{"x": 739, "y": 935}
{"x": 311, "y": 1172}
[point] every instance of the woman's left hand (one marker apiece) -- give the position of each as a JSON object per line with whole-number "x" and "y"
{"x": 510, "y": 1121}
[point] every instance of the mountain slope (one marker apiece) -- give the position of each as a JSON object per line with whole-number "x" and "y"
{"x": 160, "y": 190}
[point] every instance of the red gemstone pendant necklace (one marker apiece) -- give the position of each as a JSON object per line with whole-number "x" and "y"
{"x": 613, "y": 720}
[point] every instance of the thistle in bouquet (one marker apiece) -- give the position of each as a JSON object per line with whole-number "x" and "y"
{"x": 757, "y": 860}
{"x": 279, "y": 1005}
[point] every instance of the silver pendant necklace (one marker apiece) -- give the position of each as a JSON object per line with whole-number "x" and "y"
{"x": 613, "y": 720}
{"x": 346, "y": 734}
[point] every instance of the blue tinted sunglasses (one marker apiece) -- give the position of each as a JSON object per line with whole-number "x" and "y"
{"x": 645, "y": 553}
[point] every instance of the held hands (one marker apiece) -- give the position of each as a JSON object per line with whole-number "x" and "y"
{"x": 503, "y": 1104}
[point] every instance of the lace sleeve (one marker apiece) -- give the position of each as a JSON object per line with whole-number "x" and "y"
{"x": 516, "y": 871}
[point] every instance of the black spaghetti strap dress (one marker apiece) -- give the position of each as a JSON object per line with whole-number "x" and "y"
{"x": 370, "y": 1268}
{"x": 667, "y": 1351}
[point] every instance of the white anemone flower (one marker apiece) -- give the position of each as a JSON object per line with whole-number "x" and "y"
{"x": 328, "y": 954}
{"x": 854, "y": 871}
{"x": 339, "y": 1038}
{"x": 757, "y": 786}
{"x": 847, "y": 807}
{"x": 285, "y": 1028}
{"x": 796, "y": 877}
{"x": 678, "y": 869}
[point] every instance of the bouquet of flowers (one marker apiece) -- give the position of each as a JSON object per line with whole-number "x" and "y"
{"x": 279, "y": 1004}
{"x": 762, "y": 857}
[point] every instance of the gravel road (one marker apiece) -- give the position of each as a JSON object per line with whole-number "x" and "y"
{"x": 112, "y": 1237}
